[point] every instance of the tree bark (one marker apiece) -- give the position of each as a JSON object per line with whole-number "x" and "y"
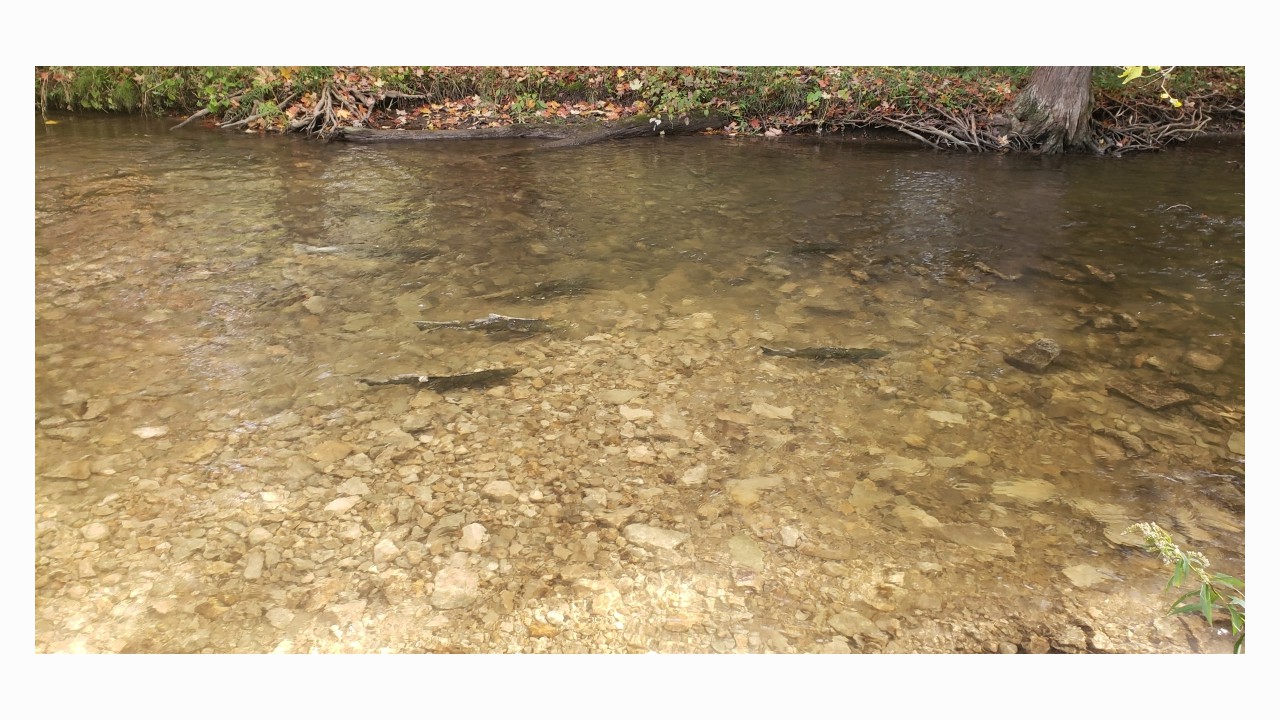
{"x": 1054, "y": 112}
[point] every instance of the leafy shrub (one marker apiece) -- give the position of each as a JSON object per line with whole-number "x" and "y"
{"x": 1217, "y": 591}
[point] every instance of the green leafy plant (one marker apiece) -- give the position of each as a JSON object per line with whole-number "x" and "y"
{"x": 1134, "y": 72}
{"x": 526, "y": 107}
{"x": 1217, "y": 591}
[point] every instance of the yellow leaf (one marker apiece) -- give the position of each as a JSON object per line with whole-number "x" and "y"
{"x": 50, "y": 122}
{"x": 1131, "y": 72}
{"x": 1176, "y": 102}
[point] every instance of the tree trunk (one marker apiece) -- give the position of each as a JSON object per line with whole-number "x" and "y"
{"x": 1054, "y": 111}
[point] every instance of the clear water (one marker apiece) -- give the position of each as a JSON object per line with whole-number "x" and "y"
{"x": 205, "y": 304}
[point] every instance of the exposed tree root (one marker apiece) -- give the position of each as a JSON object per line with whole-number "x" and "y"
{"x": 347, "y": 111}
{"x": 1122, "y": 128}
{"x": 322, "y": 118}
{"x": 257, "y": 115}
{"x": 343, "y": 112}
{"x": 195, "y": 116}
{"x": 1118, "y": 127}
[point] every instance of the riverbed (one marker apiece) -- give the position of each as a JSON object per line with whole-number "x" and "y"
{"x": 1058, "y": 354}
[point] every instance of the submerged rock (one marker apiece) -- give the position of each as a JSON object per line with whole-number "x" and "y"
{"x": 72, "y": 470}
{"x": 983, "y": 267}
{"x": 455, "y": 588}
{"x": 853, "y": 625}
{"x": 1084, "y": 575}
{"x": 1031, "y": 491}
{"x": 653, "y": 537}
{"x": 93, "y": 532}
{"x": 1203, "y": 361}
{"x": 634, "y": 414}
{"x": 620, "y": 397}
{"x": 744, "y": 551}
{"x": 1100, "y": 274}
{"x": 253, "y": 565}
{"x": 946, "y": 418}
{"x": 1149, "y": 396}
{"x": 771, "y": 411}
{"x": 500, "y": 490}
{"x": 151, "y": 431}
{"x": 1106, "y": 449}
{"x": 746, "y": 491}
{"x": 1235, "y": 443}
{"x": 330, "y": 451}
{"x": 696, "y": 475}
{"x": 1104, "y": 318}
{"x": 279, "y": 617}
{"x": 342, "y": 504}
{"x": 474, "y": 537}
{"x": 385, "y": 551}
{"x": 1133, "y": 445}
{"x": 1035, "y": 357}
{"x": 984, "y": 539}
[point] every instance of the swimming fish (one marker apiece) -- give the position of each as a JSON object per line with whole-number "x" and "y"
{"x": 827, "y": 353}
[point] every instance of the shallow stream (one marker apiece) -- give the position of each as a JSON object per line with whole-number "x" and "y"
{"x": 212, "y": 476}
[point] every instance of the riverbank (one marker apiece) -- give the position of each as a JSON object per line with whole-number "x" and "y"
{"x": 945, "y": 107}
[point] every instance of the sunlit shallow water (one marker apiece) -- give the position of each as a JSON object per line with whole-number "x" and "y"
{"x": 206, "y": 304}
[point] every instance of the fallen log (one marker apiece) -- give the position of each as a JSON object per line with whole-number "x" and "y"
{"x": 642, "y": 126}
{"x": 561, "y": 136}
{"x": 374, "y": 135}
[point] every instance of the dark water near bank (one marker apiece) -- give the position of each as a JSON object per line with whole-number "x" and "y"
{"x": 194, "y": 287}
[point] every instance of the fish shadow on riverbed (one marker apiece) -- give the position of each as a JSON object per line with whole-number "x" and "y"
{"x": 816, "y": 249}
